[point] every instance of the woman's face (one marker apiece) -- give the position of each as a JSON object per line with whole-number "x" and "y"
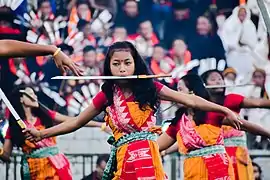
{"x": 215, "y": 79}
{"x": 203, "y": 26}
{"x": 230, "y": 76}
{"x": 242, "y": 14}
{"x": 258, "y": 78}
{"x": 26, "y": 101}
{"x": 181, "y": 87}
{"x": 122, "y": 64}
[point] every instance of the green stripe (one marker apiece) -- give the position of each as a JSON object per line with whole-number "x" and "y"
{"x": 217, "y": 149}
{"x": 235, "y": 141}
{"x": 39, "y": 153}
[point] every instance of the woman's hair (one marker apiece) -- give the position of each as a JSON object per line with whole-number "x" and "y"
{"x": 259, "y": 169}
{"x": 144, "y": 90}
{"x": 17, "y": 137}
{"x": 195, "y": 85}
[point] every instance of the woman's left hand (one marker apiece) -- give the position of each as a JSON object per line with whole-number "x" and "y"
{"x": 234, "y": 119}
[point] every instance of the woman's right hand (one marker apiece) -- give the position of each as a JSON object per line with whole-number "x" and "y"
{"x": 32, "y": 134}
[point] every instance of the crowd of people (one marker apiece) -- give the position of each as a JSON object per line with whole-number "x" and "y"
{"x": 172, "y": 36}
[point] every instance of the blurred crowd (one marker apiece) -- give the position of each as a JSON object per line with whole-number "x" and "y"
{"x": 173, "y": 36}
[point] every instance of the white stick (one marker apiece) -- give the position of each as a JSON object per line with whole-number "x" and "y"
{"x": 8, "y": 104}
{"x": 109, "y": 77}
{"x": 227, "y": 86}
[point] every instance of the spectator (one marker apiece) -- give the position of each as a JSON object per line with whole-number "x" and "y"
{"x": 130, "y": 17}
{"x": 45, "y": 9}
{"x": 257, "y": 171}
{"x": 159, "y": 63}
{"x": 179, "y": 52}
{"x": 259, "y": 116}
{"x": 119, "y": 34}
{"x": 82, "y": 10}
{"x": 239, "y": 37}
{"x": 145, "y": 39}
{"x": 182, "y": 23}
{"x": 100, "y": 167}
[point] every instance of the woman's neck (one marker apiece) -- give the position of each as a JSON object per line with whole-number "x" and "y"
{"x": 28, "y": 114}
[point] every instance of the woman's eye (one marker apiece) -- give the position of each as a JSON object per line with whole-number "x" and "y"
{"x": 115, "y": 64}
{"x": 128, "y": 63}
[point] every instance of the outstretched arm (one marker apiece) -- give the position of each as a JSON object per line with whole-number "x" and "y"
{"x": 70, "y": 125}
{"x": 251, "y": 127}
{"x": 255, "y": 103}
{"x": 5, "y": 152}
{"x": 60, "y": 118}
{"x": 196, "y": 102}
{"x": 13, "y": 48}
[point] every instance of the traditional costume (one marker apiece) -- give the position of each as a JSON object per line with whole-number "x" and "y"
{"x": 135, "y": 153}
{"x": 203, "y": 146}
{"x": 43, "y": 160}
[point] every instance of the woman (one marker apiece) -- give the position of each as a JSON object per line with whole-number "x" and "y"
{"x": 13, "y": 48}
{"x": 235, "y": 141}
{"x": 130, "y": 106}
{"x": 199, "y": 136}
{"x": 41, "y": 160}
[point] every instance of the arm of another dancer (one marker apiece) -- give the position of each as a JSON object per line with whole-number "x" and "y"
{"x": 251, "y": 127}
{"x": 196, "y": 102}
{"x": 13, "y": 48}
{"x": 70, "y": 125}
{"x": 255, "y": 103}
{"x": 5, "y": 152}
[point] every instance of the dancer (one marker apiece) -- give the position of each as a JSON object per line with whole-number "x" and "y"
{"x": 235, "y": 141}
{"x": 199, "y": 136}
{"x": 13, "y": 48}
{"x": 130, "y": 106}
{"x": 41, "y": 160}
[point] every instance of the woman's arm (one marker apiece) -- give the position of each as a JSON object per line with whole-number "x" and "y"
{"x": 196, "y": 102}
{"x": 70, "y": 125}
{"x": 5, "y": 152}
{"x": 171, "y": 149}
{"x": 251, "y": 127}
{"x": 165, "y": 141}
{"x": 255, "y": 103}
{"x": 13, "y": 48}
{"x": 60, "y": 118}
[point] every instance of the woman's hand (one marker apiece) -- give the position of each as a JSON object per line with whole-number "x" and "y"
{"x": 63, "y": 62}
{"x": 234, "y": 119}
{"x": 32, "y": 134}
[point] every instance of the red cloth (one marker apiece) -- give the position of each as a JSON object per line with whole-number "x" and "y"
{"x": 100, "y": 99}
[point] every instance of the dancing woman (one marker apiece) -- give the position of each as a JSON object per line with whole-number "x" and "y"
{"x": 130, "y": 106}
{"x": 41, "y": 160}
{"x": 235, "y": 140}
{"x": 199, "y": 136}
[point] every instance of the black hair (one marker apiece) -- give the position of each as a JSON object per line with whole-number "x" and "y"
{"x": 64, "y": 47}
{"x": 88, "y": 48}
{"x": 17, "y": 137}
{"x": 195, "y": 85}
{"x": 40, "y": 2}
{"x": 259, "y": 169}
{"x": 146, "y": 96}
{"x": 81, "y": 24}
{"x": 103, "y": 157}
